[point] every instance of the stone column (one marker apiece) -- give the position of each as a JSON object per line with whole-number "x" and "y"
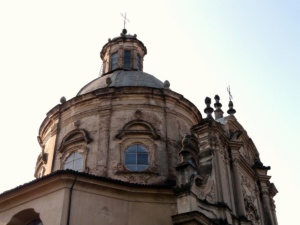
{"x": 239, "y": 199}
{"x": 266, "y": 206}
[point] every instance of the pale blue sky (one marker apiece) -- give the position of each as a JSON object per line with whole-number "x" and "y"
{"x": 51, "y": 49}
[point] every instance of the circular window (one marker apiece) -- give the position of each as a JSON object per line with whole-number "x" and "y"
{"x": 136, "y": 158}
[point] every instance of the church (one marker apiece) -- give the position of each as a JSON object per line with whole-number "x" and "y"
{"x": 129, "y": 150}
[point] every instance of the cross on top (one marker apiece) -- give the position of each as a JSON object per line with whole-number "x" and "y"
{"x": 124, "y": 15}
{"x": 230, "y": 96}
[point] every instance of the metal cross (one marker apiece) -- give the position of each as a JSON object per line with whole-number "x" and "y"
{"x": 230, "y": 96}
{"x": 125, "y": 19}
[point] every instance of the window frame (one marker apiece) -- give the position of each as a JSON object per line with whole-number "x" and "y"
{"x": 114, "y": 60}
{"x": 138, "y": 64}
{"x": 137, "y": 151}
{"x": 127, "y": 60}
{"x": 73, "y": 161}
{"x": 148, "y": 143}
{"x": 81, "y": 149}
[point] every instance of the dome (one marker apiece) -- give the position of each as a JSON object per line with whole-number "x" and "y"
{"x": 122, "y": 78}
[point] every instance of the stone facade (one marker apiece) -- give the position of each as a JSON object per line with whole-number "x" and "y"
{"x": 141, "y": 153}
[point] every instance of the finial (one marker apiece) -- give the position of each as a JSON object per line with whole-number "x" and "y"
{"x": 124, "y": 15}
{"x": 138, "y": 114}
{"x": 218, "y": 110}
{"x": 166, "y": 84}
{"x": 63, "y": 100}
{"x": 76, "y": 123}
{"x": 108, "y": 81}
{"x": 230, "y": 96}
{"x": 208, "y": 110}
{"x": 217, "y": 105}
{"x": 231, "y": 110}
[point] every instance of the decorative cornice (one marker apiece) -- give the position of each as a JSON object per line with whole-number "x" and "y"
{"x": 149, "y": 129}
{"x": 70, "y": 138}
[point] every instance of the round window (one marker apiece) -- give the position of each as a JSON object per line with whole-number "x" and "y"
{"x": 136, "y": 158}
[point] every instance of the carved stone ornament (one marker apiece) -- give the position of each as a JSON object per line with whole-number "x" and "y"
{"x": 250, "y": 193}
{"x": 190, "y": 150}
{"x": 138, "y": 114}
{"x": 214, "y": 142}
{"x": 137, "y": 178}
{"x": 235, "y": 135}
{"x": 205, "y": 192}
{"x": 243, "y": 152}
{"x": 205, "y": 165}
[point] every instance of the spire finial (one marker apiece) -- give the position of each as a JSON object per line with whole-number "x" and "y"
{"x": 208, "y": 110}
{"x": 218, "y": 105}
{"x": 231, "y": 110}
{"x": 230, "y": 96}
{"x": 124, "y": 15}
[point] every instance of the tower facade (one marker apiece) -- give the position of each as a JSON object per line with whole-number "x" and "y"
{"x": 129, "y": 150}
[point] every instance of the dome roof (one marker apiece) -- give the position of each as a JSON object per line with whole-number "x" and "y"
{"x": 122, "y": 78}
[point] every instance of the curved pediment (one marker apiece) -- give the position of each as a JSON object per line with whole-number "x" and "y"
{"x": 75, "y": 136}
{"x": 138, "y": 127}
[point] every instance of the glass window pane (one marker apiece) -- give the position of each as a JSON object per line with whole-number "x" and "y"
{"x": 141, "y": 148}
{"x": 138, "y": 62}
{"x": 130, "y": 158}
{"x": 142, "y": 158}
{"x": 74, "y": 162}
{"x": 131, "y": 149}
{"x": 68, "y": 165}
{"x": 127, "y": 60}
{"x": 131, "y": 167}
{"x": 141, "y": 167}
{"x": 70, "y": 158}
{"x": 77, "y": 156}
{"x": 136, "y": 158}
{"x": 114, "y": 60}
{"x": 78, "y": 165}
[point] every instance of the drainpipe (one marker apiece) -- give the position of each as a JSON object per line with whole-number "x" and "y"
{"x": 70, "y": 200}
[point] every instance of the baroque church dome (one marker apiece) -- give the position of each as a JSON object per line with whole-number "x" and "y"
{"x": 127, "y": 145}
{"x": 123, "y": 78}
{"x": 117, "y": 125}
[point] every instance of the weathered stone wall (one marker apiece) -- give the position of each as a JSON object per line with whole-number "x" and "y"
{"x": 102, "y": 117}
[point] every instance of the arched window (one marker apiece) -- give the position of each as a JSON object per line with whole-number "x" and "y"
{"x": 74, "y": 162}
{"x": 114, "y": 60}
{"x": 136, "y": 158}
{"x": 138, "y": 62}
{"x": 127, "y": 59}
{"x": 35, "y": 222}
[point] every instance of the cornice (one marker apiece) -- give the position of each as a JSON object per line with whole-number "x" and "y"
{"x": 63, "y": 179}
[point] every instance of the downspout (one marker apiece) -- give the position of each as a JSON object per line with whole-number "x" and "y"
{"x": 70, "y": 200}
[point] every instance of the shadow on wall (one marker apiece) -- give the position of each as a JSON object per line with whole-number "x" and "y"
{"x": 26, "y": 217}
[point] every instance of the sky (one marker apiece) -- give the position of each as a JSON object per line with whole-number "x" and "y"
{"x": 50, "y": 49}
